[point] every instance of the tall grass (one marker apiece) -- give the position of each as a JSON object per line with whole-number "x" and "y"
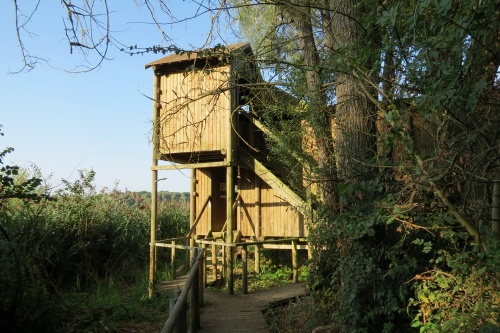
{"x": 71, "y": 243}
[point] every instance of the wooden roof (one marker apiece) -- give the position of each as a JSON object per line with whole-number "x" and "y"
{"x": 202, "y": 54}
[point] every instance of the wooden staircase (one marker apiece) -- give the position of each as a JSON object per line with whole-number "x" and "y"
{"x": 265, "y": 173}
{"x": 272, "y": 180}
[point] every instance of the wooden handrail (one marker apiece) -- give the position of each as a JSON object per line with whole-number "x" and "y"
{"x": 192, "y": 282}
{"x": 182, "y": 247}
{"x": 270, "y": 241}
{"x": 244, "y": 281}
{"x": 171, "y": 239}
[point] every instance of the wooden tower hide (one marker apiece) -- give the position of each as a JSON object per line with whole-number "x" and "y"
{"x": 199, "y": 124}
{"x": 203, "y": 121}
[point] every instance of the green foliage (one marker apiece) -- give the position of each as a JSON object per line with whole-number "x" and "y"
{"x": 113, "y": 307}
{"x": 361, "y": 271}
{"x": 173, "y": 220}
{"x": 270, "y": 276}
{"x": 393, "y": 269}
{"x": 72, "y": 241}
{"x": 410, "y": 246}
{"x": 21, "y": 292}
{"x": 459, "y": 294}
{"x": 14, "y": 183}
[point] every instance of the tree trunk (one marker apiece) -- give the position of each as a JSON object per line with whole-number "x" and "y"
{"x": 320, "y": 119}
{"x": 355, "y": 121}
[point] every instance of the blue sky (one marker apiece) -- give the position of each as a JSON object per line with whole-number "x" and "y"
{"x": 101, "y": 120}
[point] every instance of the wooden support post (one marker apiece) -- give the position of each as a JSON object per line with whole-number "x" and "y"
{"x": 294, "y": 262}
{"x": 156, "y": 261}
{"x": 188, "y": 253}
{"x": 210, "y": 212}
{"x": 229, "y": 236}
{"x": 231, "y": 138}
{"x": 183, "y": 318}
{"x": 238, "y": 207}
{"x": 203, "y": 277}
{"x": 195, "y": 296}
{"x": 204, "y": 262}
{"x": 171, "y": 305}
{"x": 181, "y": 323}
{"x": 244, "y": 269}
{"x": 224, "y": 263}
{"x": 214, "y": 262}
{"x": 154, "y": 182}
{"x": 257, "y": 226}
{"x": 152, "y": 250}
{"x": 192, "y": 213}
{"x": 172, "y": 261}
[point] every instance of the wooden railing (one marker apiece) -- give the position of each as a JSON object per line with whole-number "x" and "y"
{"x": 172, "y": 243}
{"x": 195, "y": 281}
{"x": 272, "y": 243}
{"x": 177, "y": 318}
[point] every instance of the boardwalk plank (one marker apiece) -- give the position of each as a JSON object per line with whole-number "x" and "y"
{"x": 223, "y": 313}
{"x": 242, "y": 313}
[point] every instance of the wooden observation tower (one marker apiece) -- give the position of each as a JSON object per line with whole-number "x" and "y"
{"x": 203, "y": 121}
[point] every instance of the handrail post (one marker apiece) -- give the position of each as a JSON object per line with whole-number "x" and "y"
{"x": 203, "y": 276}
{"x": 294, "y": 262}
{"x": 195, "y": 297}
{"x": 244, "y": 268}
{"x": 257, "y": 226}
{"x": 180, "y": 323}
{"x": 224, "y": 261}
{"x": 214, "y": 262}
{"x": 189, "y": 253}
{"x": 172, "y": 261}
{"x": 192, "y": 216}
{"x": 171, "y": 305}
{"x": 230, "y": 218}
{"x": 177, "y": 318}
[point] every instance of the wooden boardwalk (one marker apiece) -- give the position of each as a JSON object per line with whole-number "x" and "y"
{"x": 243, "y": 313}
{"x": 223, "y": 313}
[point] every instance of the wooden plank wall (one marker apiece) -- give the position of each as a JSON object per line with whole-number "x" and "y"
{"x": 247, "y": 209}
{"x": 219, "y": 199}
{"x": 208, "y": 184}
{"x": 195, "y": 110}
{"x": 278, "y": 217}
{"x": 203, "y": 191}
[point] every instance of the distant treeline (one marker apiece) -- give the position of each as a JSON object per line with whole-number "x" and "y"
{"x": 144, "y": 197}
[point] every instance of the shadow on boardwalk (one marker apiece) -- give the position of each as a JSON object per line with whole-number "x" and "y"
{"x": 243, "y": 313}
